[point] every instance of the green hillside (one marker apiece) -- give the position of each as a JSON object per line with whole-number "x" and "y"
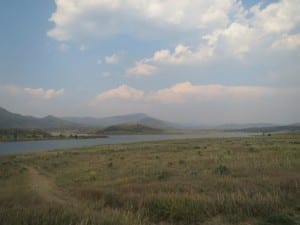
{"x": 129, "y": 129}
{"x": 13, "y": 120}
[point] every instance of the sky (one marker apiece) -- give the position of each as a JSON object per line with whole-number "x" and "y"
{"x": 188, "y": 61}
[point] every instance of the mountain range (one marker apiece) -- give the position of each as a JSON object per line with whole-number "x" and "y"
{"x": 138, "y": 118}
{"x": 13, "y": 120}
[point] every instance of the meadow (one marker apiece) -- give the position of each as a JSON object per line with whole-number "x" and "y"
{"x": 253, "y": 180}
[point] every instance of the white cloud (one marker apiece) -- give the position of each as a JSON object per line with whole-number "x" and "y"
{"x": 181, "y": 55}
{"x": 208, "y": 104}
{"x": 281, "y": 16}
{"x": 45, "y": 94}
{"x": 187, "y": 92}
{"x": 141, "y": 69}
{"x": 99, "y": 62}
{"x": 122, "y": 92}
{"x": 77, "y": 19}
{"x": 236, "y": 39}
{"x": 287, "y": 42}
{"x": 113, "y": 59}
{"x": 260, "y": 27}
{"x": 214, "y": 30}
{"x": 16, "y": 91}
{"x": 255, "y": 33}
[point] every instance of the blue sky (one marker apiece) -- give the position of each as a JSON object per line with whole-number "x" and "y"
{"x": 190, "y": 61}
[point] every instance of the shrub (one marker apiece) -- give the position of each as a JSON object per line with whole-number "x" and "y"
{"x": 280, "y": 219}
{"x": 222, "y": 170}
{"x": 181, "y": 162}
{"x": 163, "y": 175}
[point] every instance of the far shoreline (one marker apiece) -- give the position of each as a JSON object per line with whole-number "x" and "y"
{"x": 54, "y": 138}
{"x": 20, "y": 147}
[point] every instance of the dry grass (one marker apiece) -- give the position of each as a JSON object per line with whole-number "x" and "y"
{"x": 204, "y": 181}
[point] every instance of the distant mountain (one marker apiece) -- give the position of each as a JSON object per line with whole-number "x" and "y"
{"x": 13, "y": 120}
{"x": 291, "y": 128}
{"x": 243, "y": 126}
{"x": 129, "y": 129}
{"x": 106, "y": 121}
{"x": 133, "y": 122}
{"x": 139, "y": 118}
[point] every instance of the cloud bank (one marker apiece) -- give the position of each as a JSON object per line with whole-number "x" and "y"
{"x": 45, "y": 94}
{"x": 203, "y": 103}
{"x": 187, "y": 92}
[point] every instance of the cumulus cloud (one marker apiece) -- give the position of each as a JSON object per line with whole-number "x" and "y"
{"x": 287, "y": 42}
{"x": 42, "y": 93}
{"x": 141, "y": 69}
{"x": 281, "y": 16}
{"x": 219, "y": 30}
{"x": 77, "y": 19}
{"x": 31, "y": 101}
{"x": 122, "y": 92}
{"x": 182, "y": 55}
{"x": 187, "y": 92}
{"x": 113, "y": 59}
{"x": 13, "y": 90}
{"x": 245, "y": 37}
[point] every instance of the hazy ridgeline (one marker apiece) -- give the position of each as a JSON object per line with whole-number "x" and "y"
{"x": 206, "y": 181}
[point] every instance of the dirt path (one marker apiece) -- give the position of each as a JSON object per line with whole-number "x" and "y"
{"x": 45, "y": 187}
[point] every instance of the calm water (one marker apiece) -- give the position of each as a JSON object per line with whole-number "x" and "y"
{"x": 35, "y": 146}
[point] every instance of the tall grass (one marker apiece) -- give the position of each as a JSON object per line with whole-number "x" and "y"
{"x": 190, "y": 209}
{"x": 213, "y": 181}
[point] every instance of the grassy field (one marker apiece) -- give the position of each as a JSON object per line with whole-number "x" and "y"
{"x": 205, "y": 181}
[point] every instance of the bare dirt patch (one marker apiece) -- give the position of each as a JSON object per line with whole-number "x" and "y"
{"x": 45, "y": 187}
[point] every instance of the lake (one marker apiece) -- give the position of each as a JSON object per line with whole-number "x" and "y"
{"x": 35, "y": 146}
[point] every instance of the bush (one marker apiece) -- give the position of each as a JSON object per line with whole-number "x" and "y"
{"x": 222, "y": 170}
{"x": 163, "y": 175}
{"x": 280, "y": 219}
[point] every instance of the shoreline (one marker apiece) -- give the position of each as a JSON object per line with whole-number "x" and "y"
{"x": 8, "y": 148}
{"x": 54, "y": 138}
